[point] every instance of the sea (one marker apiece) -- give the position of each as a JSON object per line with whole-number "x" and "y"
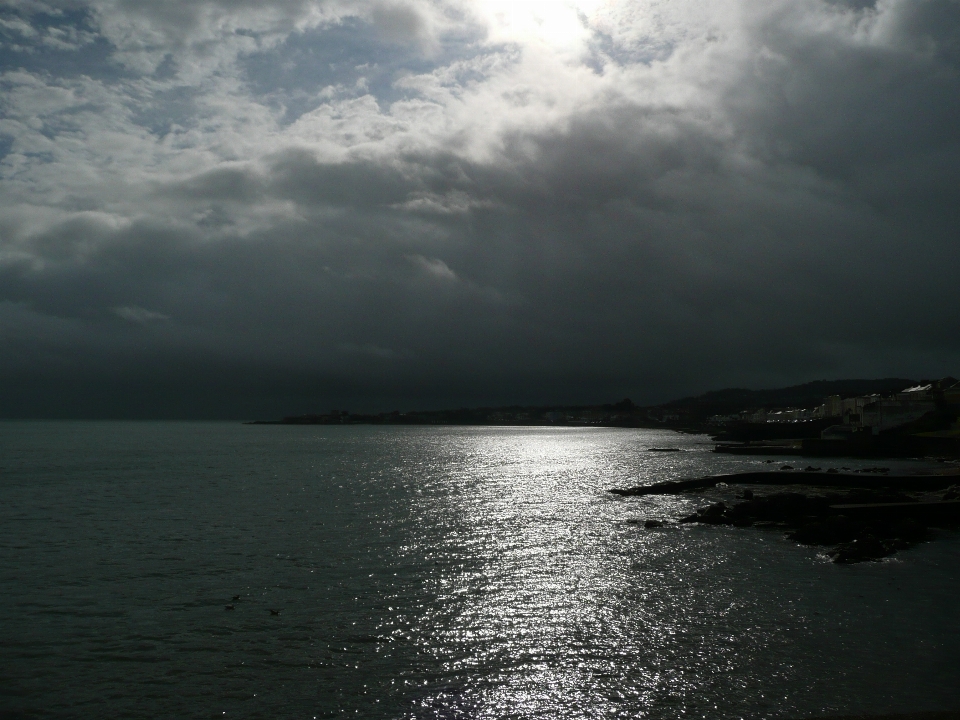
{"x": 221, "y": 570}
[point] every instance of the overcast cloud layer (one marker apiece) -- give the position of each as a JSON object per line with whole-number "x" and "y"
{"x": 235, "y": 208}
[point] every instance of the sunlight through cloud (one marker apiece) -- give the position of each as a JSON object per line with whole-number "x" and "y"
{"x": 561, "y": 24}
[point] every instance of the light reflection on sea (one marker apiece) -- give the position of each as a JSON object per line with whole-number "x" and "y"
{"x": 432, "y": 572}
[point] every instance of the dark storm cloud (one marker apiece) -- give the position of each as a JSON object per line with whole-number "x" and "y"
{"x": 776, "y": 200}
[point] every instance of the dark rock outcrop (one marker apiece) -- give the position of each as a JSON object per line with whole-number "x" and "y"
{"x": 863, "y": 548}
{"x": 819, "y": 520}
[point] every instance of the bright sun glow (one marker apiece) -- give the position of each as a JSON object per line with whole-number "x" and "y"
{"x": 559, "y": 23}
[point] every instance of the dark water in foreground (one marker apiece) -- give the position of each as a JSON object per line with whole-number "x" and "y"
{"x": 431, "y": 573}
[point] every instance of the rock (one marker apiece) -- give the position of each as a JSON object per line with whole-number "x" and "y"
{"x": 832, "y": 471}
{"x": 811, "y": 468}
{"x": 786, "y": 467}
{"x": 952, "y": 493}
{"x": 864, "y": 548}
{"x": 865, "y": 495}
{"x": 653, "y": 524}
{"x": 714, "y": 514}
{"x": 826, "y": 531}
{"x": 776, "y": 508}
{"x": 787, "y": 506}
{"x": 814, "y": 520}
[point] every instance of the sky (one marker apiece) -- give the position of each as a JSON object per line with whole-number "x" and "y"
{"x": 258, "y": 208}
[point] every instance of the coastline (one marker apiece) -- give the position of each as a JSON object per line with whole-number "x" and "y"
{"x": 860, "y": 517}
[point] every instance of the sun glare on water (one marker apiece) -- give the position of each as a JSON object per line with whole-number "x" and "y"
{"x": 559, "y": 23}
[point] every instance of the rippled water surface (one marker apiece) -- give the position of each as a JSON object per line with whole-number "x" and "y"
{"x": 431, "y": 572}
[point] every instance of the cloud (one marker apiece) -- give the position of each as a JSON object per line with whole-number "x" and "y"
{"x": 435, "y": 268}
{"x": 139, "y": 315}
{"x": 401, "y": 23}
{"x": 455, "y": 202}
{"x": 427, "y": 203}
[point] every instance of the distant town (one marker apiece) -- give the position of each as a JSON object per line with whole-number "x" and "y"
{"x": 920, "y": 419}
{"x": 891, "y": 415}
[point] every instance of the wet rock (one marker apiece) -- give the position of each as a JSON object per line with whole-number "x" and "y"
{"x": 830, "y": 530}
{"x": 811, "y": 468}
{"x": 715, "y": 514}
{"x": 815, "y": 520}
{"x": 785, "y": 507}
{"x": 786, "y": 467}
{"x": 653, "y": 524}
{"x": 864, "y": 548}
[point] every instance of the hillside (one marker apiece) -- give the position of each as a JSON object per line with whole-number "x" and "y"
{"x": 733, "y": 400}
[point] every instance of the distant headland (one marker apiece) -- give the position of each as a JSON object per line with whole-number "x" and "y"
{"x": 868, "y": 418}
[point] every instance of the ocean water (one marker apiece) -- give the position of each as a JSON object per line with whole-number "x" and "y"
{"x": 431, "y": 573}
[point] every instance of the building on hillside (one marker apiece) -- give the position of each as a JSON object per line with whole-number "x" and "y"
{"x": 832, "y": 407}
{"x": 851, "y": 409}
{"x": 874, "y": 414}
{"x": 951, "y": 395}
{"x": 888, "y": 413}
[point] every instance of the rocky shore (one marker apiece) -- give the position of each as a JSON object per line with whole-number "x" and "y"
{"x": 857, "y": 523}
